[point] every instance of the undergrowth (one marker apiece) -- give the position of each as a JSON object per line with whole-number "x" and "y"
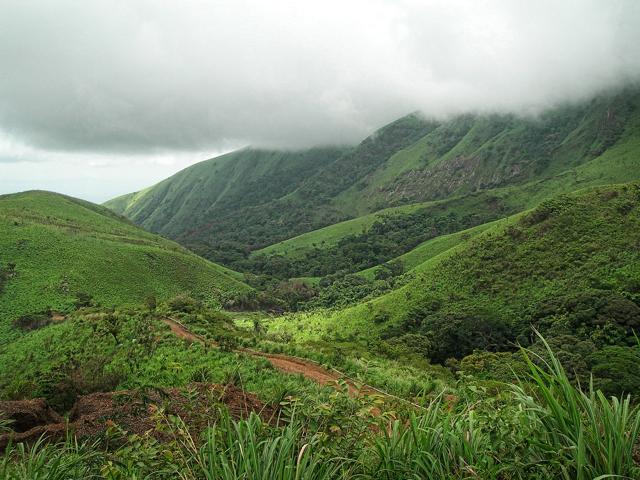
{"x": 547, "y": 427}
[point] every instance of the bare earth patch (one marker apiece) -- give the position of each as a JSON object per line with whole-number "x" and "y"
{"x": 132, "y": 411}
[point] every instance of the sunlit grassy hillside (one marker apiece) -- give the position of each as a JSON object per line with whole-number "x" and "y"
{"x": 572, "y": 263}
{"x": 54, "y": 249}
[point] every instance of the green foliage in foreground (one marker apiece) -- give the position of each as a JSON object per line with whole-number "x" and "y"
{"x": 97, "y": 350}
{"x": 542, "y": 428}
{"x": 54, "y": 249}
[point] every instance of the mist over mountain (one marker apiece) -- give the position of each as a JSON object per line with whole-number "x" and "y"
{"x": 220, "y": 209}
{"x": 97, "y": 89}
{"x": 374, "y": 239}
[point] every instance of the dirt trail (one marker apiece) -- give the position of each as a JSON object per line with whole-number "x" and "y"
{"x": 181, "y": 331}
{"x": 310, "y": 370}
{"x": 284, "y": 363}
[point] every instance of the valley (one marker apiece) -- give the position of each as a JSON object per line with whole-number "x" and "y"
{"x": 452, "y": 298}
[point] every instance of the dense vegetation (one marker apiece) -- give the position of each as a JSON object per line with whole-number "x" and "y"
{"x": 470, "y": 308}
{"x": 385, "y": 239}
{"x": 543, "y": 428}
{"x": 568, "y": 267}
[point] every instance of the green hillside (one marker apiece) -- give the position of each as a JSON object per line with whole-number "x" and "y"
{"x": 219, "y": 201}
{"x": 471, "y": 153}
{"x": 376, "y": 238}
{"x": 54, "y": 249}
{"x": 485, "y": 166}
{"x": 430, "y": 249}
{"x": 332, "y": 234}
{"x": 571, "y": 266}
{"x": 228, "y": 206}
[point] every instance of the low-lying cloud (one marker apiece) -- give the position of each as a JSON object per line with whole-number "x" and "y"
{"x": 146, "y": 77}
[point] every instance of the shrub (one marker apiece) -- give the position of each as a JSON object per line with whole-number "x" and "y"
{"x": 151, "y": 303}
{"x": 184, "y": 303}
{"x": 33, "y": 321}
{"x": 83, "y": 300}
{"x": 73, "y": 379}
{"x": 616, "y": 371}
{"x": 227, "y": 343}
{"x": 459, "y": 334}
{"x": 5, "y": 274}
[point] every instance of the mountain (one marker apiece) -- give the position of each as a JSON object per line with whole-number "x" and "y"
{"x": 372, "y": 239}
{"x": 569, "y": 267}
{"x": 223, "y": 199}
{"x": 228, "y": 207}
{"x": 56, "y": 249}
{"x": 252, "y": 198}
{"x": 473, "y": 153}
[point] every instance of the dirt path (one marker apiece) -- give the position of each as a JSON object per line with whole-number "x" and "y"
{"x": 291, "y": 365}
{"x": 181, "y": 331}
{"x": 284, "y": 363}
{"x": 311, "y": 370}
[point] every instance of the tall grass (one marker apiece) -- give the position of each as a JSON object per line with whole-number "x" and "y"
{"x": 436, "y": 444}
{"x": 581, "y": 434}
{"x": 547, "y": 428}
{"x": 250, "y": 450}
{"x": 42, "y": 461}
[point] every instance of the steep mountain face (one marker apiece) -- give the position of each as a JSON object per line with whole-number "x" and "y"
{"x": 55, "y": 249}
{"x": 472, "y": 153}
{"x": 198, "y": 195}
{"x": 224, "y": 216}
{"x": 369, "y": 240}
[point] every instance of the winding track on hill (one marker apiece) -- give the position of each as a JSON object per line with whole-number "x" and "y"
{"x": 287, "y": 364}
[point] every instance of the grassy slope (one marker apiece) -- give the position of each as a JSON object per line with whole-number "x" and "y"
{"x": 61, "y": 246}
{"x": 432, "y": 248}
{"x": 589, "y": 239}
{"x": 618, "y": 164}
{"x": 43, "y": 354}
{"x": 190, "y": 198}
{"x": 332, "y": 234}
{"x": 417, "y": 256}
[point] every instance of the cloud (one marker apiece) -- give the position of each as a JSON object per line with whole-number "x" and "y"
{"x": 106, "y": 96}
{"x": 148, "y": 76}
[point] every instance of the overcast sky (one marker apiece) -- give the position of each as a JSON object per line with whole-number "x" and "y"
{"x": 99, "y": 98}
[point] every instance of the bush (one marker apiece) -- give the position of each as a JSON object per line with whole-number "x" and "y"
{"x": 71, "y": 380}
{"x": 616, "y": 370}
{"x": 458, "y": 334}
{"x": 588, "y": 310}
{"x": 33, "y": 321}
{"x": 151, "y": 303}
{"x": 5, "y": 274}
{"x": 227, "y": 343}
{"x": 185, "y": 304}
{"x": 83, "y": 300}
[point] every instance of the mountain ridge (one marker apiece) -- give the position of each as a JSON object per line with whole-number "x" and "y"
{"x": 410, "y": 160}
